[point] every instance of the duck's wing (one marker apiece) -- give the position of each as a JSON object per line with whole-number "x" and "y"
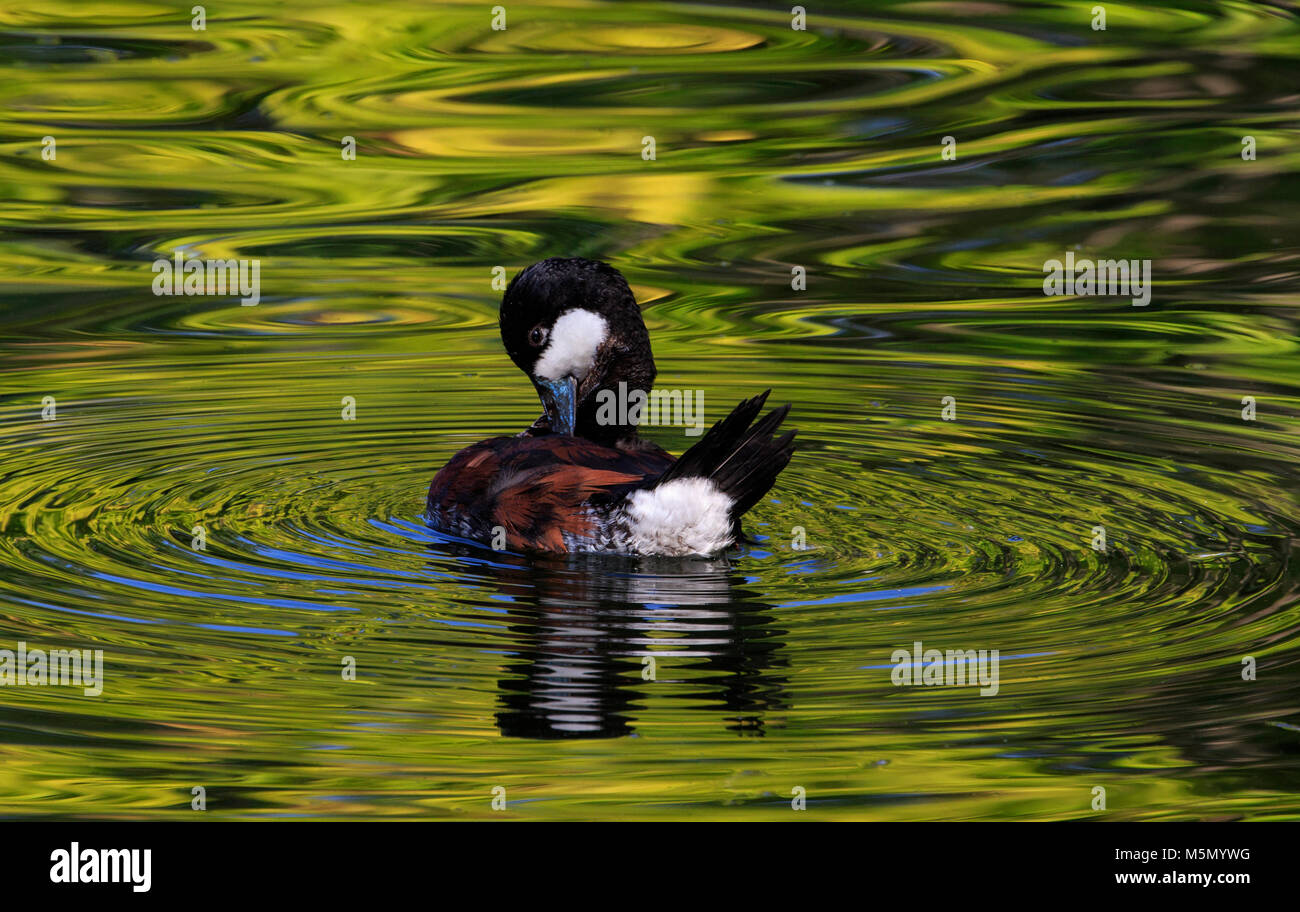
{"x": 543, "y": 491}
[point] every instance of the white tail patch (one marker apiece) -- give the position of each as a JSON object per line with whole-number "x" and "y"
{"x": 575, "y": 337}
{"x": 683, "y": 517}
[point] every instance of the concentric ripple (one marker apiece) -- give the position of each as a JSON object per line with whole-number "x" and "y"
{"x": 227, "y": 500}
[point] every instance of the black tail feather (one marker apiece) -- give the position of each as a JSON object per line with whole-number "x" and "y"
{"x": 739, "y": 455}
{"x": 763, "y": 467}
{"x": 702, "y": 459}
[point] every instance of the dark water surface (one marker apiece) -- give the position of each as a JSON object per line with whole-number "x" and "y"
{"x": 772, "y": 666}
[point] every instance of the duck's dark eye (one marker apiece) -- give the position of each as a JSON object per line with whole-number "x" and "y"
{"x": 537, "y": 336}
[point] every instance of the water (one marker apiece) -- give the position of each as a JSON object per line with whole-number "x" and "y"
{"x": 772, "y": 666}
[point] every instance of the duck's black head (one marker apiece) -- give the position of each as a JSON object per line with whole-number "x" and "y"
{"x": 574, "y": 328}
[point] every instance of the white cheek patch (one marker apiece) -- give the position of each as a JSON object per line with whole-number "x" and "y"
{"x": 575, "y": 337}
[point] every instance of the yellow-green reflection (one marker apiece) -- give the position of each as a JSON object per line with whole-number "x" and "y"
{"x": 775, "y": 148}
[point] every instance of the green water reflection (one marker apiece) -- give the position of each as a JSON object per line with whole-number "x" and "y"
{"x": 775, "y": 148}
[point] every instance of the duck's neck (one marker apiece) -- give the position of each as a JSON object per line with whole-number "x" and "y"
{"x": 611, "y": 413}
{"x": 612, "y": 409}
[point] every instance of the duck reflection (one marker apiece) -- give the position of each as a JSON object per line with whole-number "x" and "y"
{"x": 598, "y": 634}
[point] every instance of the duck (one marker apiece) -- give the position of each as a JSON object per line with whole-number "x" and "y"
{"x": 581, "y": 479}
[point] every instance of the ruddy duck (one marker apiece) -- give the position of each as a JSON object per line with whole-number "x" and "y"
{"x": 578, "y": 480}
